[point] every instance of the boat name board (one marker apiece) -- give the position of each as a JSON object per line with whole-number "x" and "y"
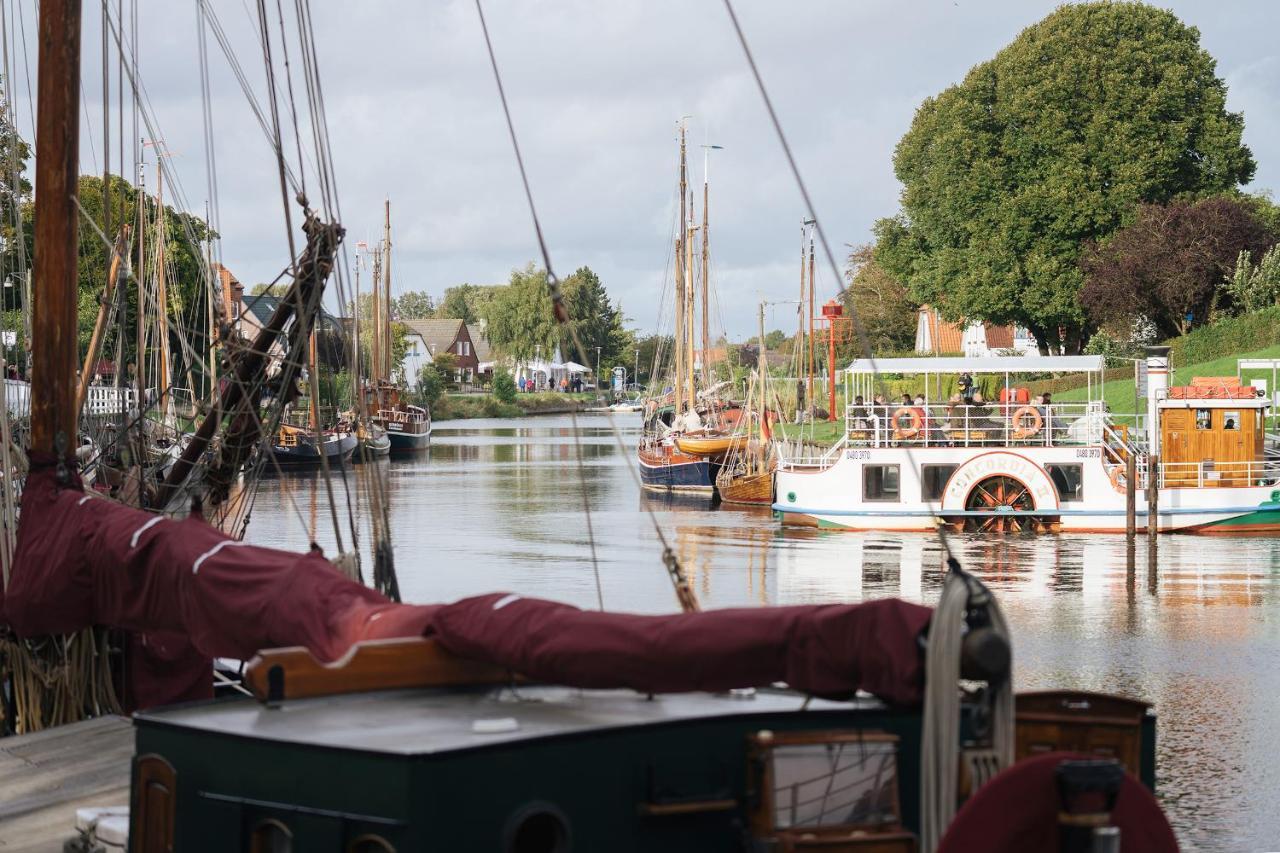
{"x": 999, "y": 463}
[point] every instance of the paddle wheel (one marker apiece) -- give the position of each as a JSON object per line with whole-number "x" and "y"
{"x": 1000, "y": 503}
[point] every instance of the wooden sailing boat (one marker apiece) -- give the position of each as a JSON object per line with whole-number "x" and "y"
{"x": 746, "y": 477}
{"x": 665, "y": 463}
{"x": 408, "y": 427}
{"x": 371, "y": 439}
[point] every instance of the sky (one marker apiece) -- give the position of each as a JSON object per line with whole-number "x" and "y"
{"x": 596, "y": 90}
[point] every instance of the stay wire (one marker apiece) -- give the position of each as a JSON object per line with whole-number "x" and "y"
{"x": 558, "y": 307}
{"x": 864, "y": 341}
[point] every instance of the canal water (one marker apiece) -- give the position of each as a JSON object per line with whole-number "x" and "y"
{"x": 499, "y": 505}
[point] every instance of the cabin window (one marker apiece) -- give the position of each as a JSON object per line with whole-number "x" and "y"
{"x": 1068, "y": 480}
{"x": 933, "y": 480}
{"x": 271, "y": 836}
{"x": 1231, "y": 419}
{"x": 1204, "y": 419}
{"x": 880, "y": 483}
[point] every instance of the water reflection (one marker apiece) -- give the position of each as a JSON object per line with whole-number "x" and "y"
{"x": 498, "y": 505}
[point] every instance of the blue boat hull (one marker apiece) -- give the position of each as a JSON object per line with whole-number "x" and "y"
{"x": 678, "y": 475}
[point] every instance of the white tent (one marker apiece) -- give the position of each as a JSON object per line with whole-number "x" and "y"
{"x": 574, "y": 367}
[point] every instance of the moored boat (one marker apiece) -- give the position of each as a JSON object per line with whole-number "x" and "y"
{"x": 1018, "y": 465}
{"x": 297, "y": 447}
{"x": 372, "y": 441}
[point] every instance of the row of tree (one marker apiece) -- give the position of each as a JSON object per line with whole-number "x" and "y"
{"x": 1088, "y": 175}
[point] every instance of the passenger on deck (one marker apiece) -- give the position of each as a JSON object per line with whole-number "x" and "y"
{"x": 859, "y": 413}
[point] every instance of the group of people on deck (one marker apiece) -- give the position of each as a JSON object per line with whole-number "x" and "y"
{"x": 967, "y": 416}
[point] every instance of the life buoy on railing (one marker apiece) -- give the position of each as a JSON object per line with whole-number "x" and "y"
{"x": 1118, "y": 479}
{"x": 1022, "y": 430}
{"x": 915, "y": 421}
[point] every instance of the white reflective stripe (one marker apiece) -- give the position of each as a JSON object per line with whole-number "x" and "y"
{"x": 195, "y": 567}
{"x": 133, "y": 543}
{"x": 505, "y": 600}
{"x": 82, "y": 501}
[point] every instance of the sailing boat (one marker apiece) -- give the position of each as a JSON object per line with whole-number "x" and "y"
{"x": 372, "y": 440}
{"x": 670, "y": 456}
{"x": 408, "y": 427}
{"x": 746, "y": 477}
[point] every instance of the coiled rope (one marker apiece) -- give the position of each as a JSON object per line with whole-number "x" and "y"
{"x": 940, "y": 747}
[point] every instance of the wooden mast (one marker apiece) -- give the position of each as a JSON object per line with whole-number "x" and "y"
{"x": 100, "y": 325}
{"x": 797, "y": 351}
{"x": 357, "y": 398}
{"x": 690, "y": 309}
{"x": 375, "y": 333}
{"x": 386, "y": 302}
{"x": 812, "y": 307}
{"x": 162, "y": 293}
{"x": 140, "y": 344}
{"x": 680, "y": 286}
{"x": 57, "y": 232}
{"x": 760, "y": 411}
{"x": 706, "y": 197}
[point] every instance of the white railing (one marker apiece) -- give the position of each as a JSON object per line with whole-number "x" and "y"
{"x": 1222, "y": 474}
{"x": 103, "y": 400}
{"x": 1001, "y": 424}
{"x": 806, "y": 456}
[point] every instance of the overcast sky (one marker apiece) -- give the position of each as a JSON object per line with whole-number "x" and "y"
{"x": 596, "y": 88}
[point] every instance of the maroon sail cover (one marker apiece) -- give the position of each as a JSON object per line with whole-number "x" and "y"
{"x": 826, "y": 650}
{"x": 84, "y": 561}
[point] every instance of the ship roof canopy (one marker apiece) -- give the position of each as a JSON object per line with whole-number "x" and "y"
{"x": 990, "y": 364}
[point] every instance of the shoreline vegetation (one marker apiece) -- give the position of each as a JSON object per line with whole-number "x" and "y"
{"x": 455, "y": 407}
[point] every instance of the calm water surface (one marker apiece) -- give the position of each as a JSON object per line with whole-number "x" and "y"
{"x": 498, "y": 505}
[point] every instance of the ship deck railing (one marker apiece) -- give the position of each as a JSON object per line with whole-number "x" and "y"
{"x": 986, "y": 425}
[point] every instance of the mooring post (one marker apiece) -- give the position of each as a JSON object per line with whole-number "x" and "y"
{"x": 1130, "y": 496}
{"x": 1153, "y": 496}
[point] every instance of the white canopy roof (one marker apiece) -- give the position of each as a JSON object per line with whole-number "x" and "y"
{"x": 574, "y": 367}
{"x": 991, "y": 364}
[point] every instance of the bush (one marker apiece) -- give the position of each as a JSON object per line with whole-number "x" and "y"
{"x": 1227, "y": 337}
{"x": 430, "y": 384}
{"x": 504, "y": 387}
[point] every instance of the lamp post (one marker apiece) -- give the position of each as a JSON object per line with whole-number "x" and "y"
{"x": 635, "y": 375}
{"x": 597, "y": 370}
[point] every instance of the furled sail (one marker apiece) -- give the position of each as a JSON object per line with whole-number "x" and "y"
{"x": 84, "y": 561}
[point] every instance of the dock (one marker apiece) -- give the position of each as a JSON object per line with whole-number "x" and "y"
{"x": 48, "y": 775}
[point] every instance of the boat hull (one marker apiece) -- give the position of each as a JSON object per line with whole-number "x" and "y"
{"x": 832, "y": 496}
{"x": 405, "y": 442}
{"x": 751, "y": 489}
{"x": 374, "y": 448}
{"x": 306, "y": 454}
{"x": 710, "y": 446}
{"x": 668, "y": 470}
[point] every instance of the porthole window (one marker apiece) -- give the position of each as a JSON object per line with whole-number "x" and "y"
{"x": 271, "y": 836}
{"x": 538, "y": 828}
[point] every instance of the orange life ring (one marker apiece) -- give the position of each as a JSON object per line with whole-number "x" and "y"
{"x": 1020, "y": 431}
{"x": 913, "y": 414}
{"x": 1117, "y": 477}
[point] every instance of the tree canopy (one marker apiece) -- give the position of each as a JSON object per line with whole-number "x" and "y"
{"x": 521, "y": 324}
{"x": 881, "y": 304}
{"x": 414, "y": 305}
{"x": 466, "y": 302}
{"x": 1172, "y": 263}
{"x": 1052, "y": 144}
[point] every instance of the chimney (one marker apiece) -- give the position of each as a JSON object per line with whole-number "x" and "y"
{"x": 1157, "y": 388}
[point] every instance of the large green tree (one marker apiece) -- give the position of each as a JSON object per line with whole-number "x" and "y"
{"x": 1048, "y": 146}
{"x": 597, "y": 322}
{"x": 520, "y": 323}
